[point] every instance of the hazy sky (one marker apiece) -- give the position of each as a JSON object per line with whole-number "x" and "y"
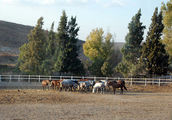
{"x": 111, "y": 15}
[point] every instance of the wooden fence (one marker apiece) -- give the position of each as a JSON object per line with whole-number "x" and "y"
{"x": 34, "y": 81}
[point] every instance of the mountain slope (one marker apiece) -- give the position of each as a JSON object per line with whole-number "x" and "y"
{"x": 12, "y": 36}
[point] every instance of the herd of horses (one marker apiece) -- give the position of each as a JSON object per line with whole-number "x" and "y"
{"x": 84, "y": 85}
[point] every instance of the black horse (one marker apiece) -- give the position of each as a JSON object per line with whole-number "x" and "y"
{"x": 117, "y": 84}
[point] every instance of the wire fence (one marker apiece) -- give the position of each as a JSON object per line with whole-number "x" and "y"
{"x": 34, "y": 81}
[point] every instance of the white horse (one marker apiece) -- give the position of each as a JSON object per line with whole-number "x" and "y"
{"x": 100, "y": 85}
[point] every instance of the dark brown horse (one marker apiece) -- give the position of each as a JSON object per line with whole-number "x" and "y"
{"x": 117, "y": 84}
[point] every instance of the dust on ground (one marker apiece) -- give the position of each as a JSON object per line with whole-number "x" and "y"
{"x": 54, "y": 105}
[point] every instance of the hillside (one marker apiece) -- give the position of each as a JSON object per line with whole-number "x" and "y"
{"x": 13, "y": 35}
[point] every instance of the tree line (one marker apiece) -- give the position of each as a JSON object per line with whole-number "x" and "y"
{"x": 56, "y": 52}
{"x": 50, "y": 52}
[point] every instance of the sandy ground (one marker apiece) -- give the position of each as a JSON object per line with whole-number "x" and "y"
{"x": 53, "y": 105}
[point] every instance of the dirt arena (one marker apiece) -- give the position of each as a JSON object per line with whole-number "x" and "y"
{"x": 139, "y": 103}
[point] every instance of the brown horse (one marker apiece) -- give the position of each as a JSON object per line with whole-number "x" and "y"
{"x": 55, "y": 84}
{"x": 45, "y": 83}
{"x": 83, "y": 80}
{"x": 117, "y": 84}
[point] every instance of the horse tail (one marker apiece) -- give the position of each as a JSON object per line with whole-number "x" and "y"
{"x": 124, "y": 85}
{"x": 125, "y": 88}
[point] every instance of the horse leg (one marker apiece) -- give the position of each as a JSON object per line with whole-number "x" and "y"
{"x": 121, "y": 90}
{"x": 97, "y": 90}
{"x": 125, "y": 88}
{"x": 103, "y": 89}
{"x": 114, "y": 90}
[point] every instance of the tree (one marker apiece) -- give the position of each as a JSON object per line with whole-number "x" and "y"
{"x": 154, "y": 54}
{"x": 67, "y": 61}
{"x": 62, "y": 42}
{"x": 74, "y": 63}
{"x": 132, "y": 48}
{"x": 32, "y": 53}
{"x": 47, "y": 65}
{"x": 167, "y": 32}
{"x": 99, "y": 48}
{"x": 51, "y": 43}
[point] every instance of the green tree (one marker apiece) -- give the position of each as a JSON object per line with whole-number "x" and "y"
{"x": 154, "y": 54}
{"x": 167, "y": 32}
{"x": 132, "y": 48}
{"x": 62, "y": 43}
{"x": 47, "y": 65}
{"x": 74, "y": 64}
{"x": 32, "y": 53}
{"x": 51, "y": 43}
{"x": 99, "y": 48}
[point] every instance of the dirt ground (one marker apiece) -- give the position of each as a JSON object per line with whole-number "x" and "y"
{"x": 139, "y": 103}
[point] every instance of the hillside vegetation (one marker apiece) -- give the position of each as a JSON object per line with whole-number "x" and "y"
{"x": 13, "y": 35}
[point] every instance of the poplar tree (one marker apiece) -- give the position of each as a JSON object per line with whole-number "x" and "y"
{"x": 132, "y": 48}
{"x": 154, "y": 54}
{"x": 167, "y": 32}
{"x": 99, "y": 49}
{"x": 32, "y": 53}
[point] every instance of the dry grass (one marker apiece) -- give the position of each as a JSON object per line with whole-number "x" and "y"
{"x": 150, "y": 88}
{"x": 43, "y": 105}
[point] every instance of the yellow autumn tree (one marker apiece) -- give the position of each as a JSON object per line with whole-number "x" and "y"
{"x": 99, "y": 48}
{"x": 93, "y": 45}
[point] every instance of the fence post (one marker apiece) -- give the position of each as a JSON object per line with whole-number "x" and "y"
{"x": 50, "y": 78}
{"x": 94, "y": 78}
{"x": 152, "y": 81}
{"x": 145, "y": 81}
{"x": 29, "y": 79}
{"x": 159, "y": 82}
{"x": 71, "y": 77}
{"x": 131, "y": 82}
{"x": 39, "y": 78}
{"x": 10, "y": 79}
{"x": 19, "y": 78}
{"x": 0, "y": 78}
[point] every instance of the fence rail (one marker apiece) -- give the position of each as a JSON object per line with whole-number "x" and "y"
{"x": 35, "y": 80}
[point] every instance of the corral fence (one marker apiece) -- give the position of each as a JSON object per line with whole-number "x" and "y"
{"x": 34, "y": 81}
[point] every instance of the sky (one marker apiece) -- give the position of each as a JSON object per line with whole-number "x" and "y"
{"x": 111, "y": 15}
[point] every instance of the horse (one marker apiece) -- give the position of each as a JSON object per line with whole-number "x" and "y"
{"x": 100, "y": 85}
{"x": 55, "y": 84}
{"x": 83, "y": 79}
{"x": 82, "y": 86}
{"x": 117, "y": 84}
{"x": 45, "y": 83}
{"x": 85, "y": 84}
{"x": 69, "y": 84}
